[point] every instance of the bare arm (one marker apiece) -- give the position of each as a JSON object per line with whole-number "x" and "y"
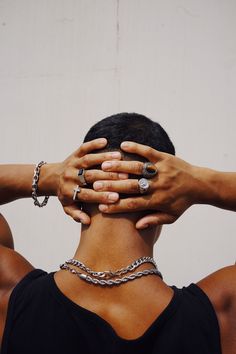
{"x": 216, "y": 188}
{"x": 177, "y": 186}
{"x": 6, "y": 238}
{"x": 16, "y": 181}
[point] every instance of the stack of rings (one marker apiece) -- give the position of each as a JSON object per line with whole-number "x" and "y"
{"x": 149, "y": 171}
{"x": 81, "y": 175}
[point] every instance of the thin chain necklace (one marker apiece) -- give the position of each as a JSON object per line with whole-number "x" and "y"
{"x": 110, "y": 274}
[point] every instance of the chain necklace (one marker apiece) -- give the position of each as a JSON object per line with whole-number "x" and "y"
{"x": 110, "y": 274}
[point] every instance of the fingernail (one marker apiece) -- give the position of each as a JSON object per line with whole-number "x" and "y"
{"x": 123, "y": 175}
{"x": 103, "y": 207}
{"x": 145, "y": 226}
{"x": 98, "y": 185}
{"x": 113, "y": 196}
{"x": 115, "y": 155}
{"x": 125, "y": 144}
{"x": 102, "y": 141}
{"x": 106, "y": 165}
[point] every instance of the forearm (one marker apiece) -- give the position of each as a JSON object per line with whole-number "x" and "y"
{"x": 216, "y": 188}
{"x": 16, "y": 181}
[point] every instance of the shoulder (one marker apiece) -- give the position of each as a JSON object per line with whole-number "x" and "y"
{"x": 5, "y": 233}
{"x": 13, "y": 267}
{"x": 220, "y": 287}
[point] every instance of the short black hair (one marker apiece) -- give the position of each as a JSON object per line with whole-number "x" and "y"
{"x": 131, "y": 127}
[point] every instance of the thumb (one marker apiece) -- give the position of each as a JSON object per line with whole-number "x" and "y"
{"x": 155, "y": 219}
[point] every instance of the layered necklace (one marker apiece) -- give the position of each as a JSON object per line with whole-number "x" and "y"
{"x": 104, "y": 278}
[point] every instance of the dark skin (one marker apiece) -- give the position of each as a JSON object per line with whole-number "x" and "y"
{"x": 6, "y": 238}
{"x": 219, "y": 286}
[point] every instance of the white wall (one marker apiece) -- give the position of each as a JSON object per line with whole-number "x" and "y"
{"x": 65, "y": 64}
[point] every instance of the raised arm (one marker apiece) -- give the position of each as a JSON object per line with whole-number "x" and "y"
{"x": 177, "y": 186}
{"x": 60, "y": 179}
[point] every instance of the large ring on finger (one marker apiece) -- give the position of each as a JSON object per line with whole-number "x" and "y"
{"x": 81, "y": 175}
{"x": 144, "y": 185}
{"x": 76, "y": 190}
{"x": 149, "y": 170}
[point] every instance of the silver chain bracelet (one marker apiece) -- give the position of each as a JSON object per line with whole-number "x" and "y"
{"x": 35, "y": 186}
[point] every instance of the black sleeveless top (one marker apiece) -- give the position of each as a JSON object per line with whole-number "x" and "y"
{"x": 41, "y": 320}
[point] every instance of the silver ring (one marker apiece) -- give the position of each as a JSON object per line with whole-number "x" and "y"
{"x": 149, "y": 170}
{"x": 81, "y": 175}
{"x": 76, "y": 190}
{"x": 144, "y": 185}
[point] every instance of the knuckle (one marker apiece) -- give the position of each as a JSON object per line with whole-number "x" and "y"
{"x": 61, "y": 194}
{"x": 116, "y": 164}
{"x": 148, "y": 151}
{"x": 112, "y": 175}
{"x": 140, "y": 168}
{"x": 64, "y": 192}
{"x": 67, "y": 174}
{"x": 108, "y": 185}
{"x": 85, "y": 161}
{"x": 82, "y": 148}
{"x": 88, "y": 176}
{"x": 131, "y": 204}
{"x": 133, "y": 186}
{"x": 85, "y": 195}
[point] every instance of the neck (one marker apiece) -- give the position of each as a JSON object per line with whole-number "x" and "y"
{"x": 112, "y": 242}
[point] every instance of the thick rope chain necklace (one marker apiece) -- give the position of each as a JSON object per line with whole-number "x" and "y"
{"x": 108, "y": 274}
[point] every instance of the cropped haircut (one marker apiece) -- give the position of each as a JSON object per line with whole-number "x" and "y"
{"x": 130, "y": 127}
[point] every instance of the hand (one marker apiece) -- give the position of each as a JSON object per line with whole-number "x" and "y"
{"x": 172, "y": 190}
{"x": 68, "y": 179}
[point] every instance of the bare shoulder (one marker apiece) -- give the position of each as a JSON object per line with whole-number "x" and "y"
{"x": 13, "y": 268}
{"x": 220, "y": 287}
{"x": 6, "y": 238}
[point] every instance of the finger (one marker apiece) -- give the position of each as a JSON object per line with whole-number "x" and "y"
{"x": 89, "y": 146}
{"x": 132, "y": 167}
{"x": 128, "y": 186}
{"x": 90, "y": 196}
{"x": 126, "y": 205}
{"x": 77, "y": 214}
{"x": 94, "y": 175}
{"x": 71, "y": 175}
{"x": 155, "y": 219}
{"x": 90, "y": 160}
{"x": 146, "y": 151}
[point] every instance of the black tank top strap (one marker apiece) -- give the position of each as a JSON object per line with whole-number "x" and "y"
{"x": 209, "y": 312}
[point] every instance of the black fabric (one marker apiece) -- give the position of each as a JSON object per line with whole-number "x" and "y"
{"x": 41, "y": 320}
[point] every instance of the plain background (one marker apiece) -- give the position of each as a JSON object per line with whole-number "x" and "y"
{"x": 65, "y": 64}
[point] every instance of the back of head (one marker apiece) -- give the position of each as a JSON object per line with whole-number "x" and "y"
{"x": 130, "y": 127}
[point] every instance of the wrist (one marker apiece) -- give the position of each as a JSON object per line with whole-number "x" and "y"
{"x": 205, "y": 185}
{"x": 49, "y": 179}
